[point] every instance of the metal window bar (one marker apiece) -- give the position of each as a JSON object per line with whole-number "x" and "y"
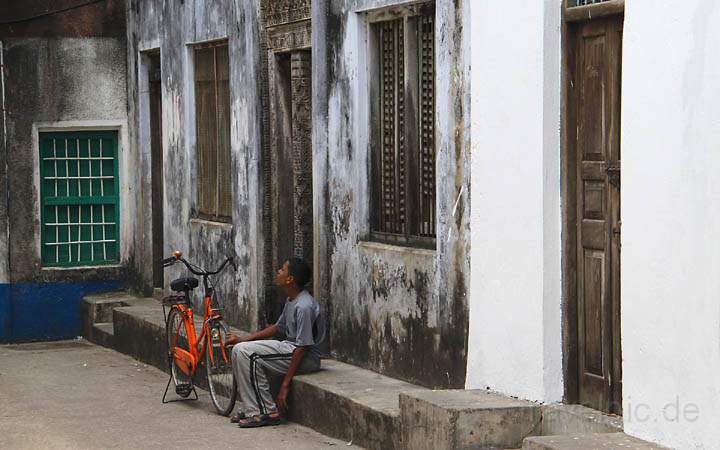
{"x": 105, "y": 177}
{"x": 89, "y": 166}
{"x": 92, "y": 229}
{"x": 79, "y": 241}
{"x": 85, "y": 158}
{"x": 67, "y": 170}
{"x": 104, "y": 248}
{"x": 73, "y": 224}
{"x": 55, "y": 165}
{"x": 102, "y": 185}
{"x": 79, "y": 186}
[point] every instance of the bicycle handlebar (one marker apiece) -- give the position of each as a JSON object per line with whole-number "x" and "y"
{"x": 227, "y": 261}
{"x": 177, "y": 256}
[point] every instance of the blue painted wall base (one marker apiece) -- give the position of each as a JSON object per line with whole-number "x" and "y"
{"x": 45, "y": 311}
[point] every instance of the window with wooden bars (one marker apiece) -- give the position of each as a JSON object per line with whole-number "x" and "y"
{"x": 403, "y": 121}
{"x": 79, "y": 194}
{"x": 212, "y": 118}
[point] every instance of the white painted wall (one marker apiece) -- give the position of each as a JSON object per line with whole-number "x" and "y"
{"x": 671, "y": 222}
{"x": 515, "y": 342}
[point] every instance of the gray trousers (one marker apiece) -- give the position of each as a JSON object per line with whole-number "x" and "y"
{"x": 252, "y": 360}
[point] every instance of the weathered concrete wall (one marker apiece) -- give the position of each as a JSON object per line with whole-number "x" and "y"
{"x": 76, "y": 82}
{"x": 171, "y": 27}
{"x": 671, "y": 223}
{"x": 4, "y": 186}
{"x": 78, "y": 18}
{"x": 397, "y": 310}
{"x": 515, "y": 343}
{"x": 61, "y": 72}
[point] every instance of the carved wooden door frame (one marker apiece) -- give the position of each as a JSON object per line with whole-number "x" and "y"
{"x": 288, "y": 35}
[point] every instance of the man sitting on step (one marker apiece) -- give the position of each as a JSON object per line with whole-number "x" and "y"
{"x": 303, "y": 325}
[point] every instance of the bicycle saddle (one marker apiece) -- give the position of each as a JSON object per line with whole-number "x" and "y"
{"x": 184, "y": 284}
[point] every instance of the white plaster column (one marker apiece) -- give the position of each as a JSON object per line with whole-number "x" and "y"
{"x": 515, "y": 299}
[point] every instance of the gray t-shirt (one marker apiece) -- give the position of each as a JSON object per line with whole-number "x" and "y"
{"x": 303, "y": 323}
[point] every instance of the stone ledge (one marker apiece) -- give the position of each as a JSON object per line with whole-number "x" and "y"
{"x": 367, "y": 408}
{"x": 577, "y": 419}
{"x": 595, "y": 441}
{"x": 104, "y": 334}
{"x": 465, "y": 419}
{"x": 357, "y": 405}
{"x": 98, "y": 308}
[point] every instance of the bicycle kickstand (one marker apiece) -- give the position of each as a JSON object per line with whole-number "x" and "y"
{"x": 192, "y": 386}
{"x": 167, "y": 386}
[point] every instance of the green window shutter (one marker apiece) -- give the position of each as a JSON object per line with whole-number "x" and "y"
{"x": 79, "y": 195}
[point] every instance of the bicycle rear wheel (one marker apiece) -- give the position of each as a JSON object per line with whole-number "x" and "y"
{"x": 177, "y": 338}
{"x": 218, "y": 365}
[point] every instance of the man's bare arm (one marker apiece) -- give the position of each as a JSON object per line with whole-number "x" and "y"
{"x": 265, "y": 333}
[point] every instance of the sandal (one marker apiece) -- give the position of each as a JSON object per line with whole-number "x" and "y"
{"x": 237, "y": 417}
{"x": 262, "y": 420}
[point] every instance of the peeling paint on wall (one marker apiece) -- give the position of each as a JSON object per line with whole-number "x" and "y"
{"x": 397, "y": 310}
{"x": 172, "y": 28}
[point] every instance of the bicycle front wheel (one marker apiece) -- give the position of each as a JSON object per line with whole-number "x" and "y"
{"x": 218, "y": 365}
{"x": 177, "y": 338}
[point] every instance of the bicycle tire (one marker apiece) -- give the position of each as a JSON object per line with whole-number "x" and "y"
{"x": 220, "y": 379}
{"x": 177, "y": 337}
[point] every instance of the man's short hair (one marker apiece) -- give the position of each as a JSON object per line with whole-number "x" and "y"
{"x": 300, "y": 271}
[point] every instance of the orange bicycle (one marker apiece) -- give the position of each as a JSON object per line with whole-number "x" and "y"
{"x": 186, "y": 350}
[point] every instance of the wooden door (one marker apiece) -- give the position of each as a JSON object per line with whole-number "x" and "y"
{"x": 594, "y": 131}
{"x": 156, "y": 169}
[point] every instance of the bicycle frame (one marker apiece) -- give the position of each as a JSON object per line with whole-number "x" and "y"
{"x": 188, "y": 361}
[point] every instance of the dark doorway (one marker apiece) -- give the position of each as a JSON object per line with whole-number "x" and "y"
{"x": 593, "y": 177}
{"x": 289, "y": 179}
{"x": 156, "y": 169}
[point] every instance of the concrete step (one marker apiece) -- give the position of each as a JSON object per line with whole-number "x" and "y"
{"x": 104, "y": 334}
{"x": 345, "y": 401}
{"x": 464, "y": 419}
{"x": 353, "y": 404}
{"x": 140, "y": 332}
{"x": 593, "y": 441}
{"x": 561, "y": 419}
{"x": 357, "y": 405}
{"x": 98, "y": 308}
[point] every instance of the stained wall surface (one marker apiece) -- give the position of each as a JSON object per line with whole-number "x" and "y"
{"x": 172, "y": 28}
{"x": 397, "y": 310}
{"x": 60, "y": 71}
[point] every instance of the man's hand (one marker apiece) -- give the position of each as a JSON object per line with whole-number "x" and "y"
{"x": 297, "y": 357}
{"x": 265, "y": 333}
{"x": 282, "y": 398}
{"x": 232, "y": 339}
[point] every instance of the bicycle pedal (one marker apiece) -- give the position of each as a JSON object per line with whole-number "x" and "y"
{"x": 183, "y": 390}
